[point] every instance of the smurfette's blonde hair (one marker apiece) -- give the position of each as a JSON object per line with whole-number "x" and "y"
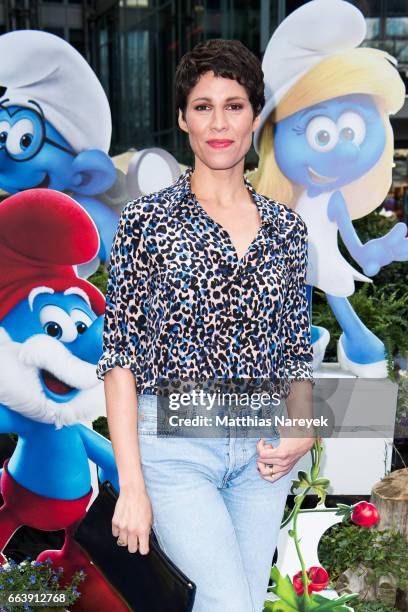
{"x": 361, "y": 70}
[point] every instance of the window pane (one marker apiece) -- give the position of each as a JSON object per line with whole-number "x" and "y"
{"x": 397, "y": 27}
{"x": 373, "y": 28}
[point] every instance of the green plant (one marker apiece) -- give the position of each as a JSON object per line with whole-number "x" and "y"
{"x": 101, "y": 426}
{"x": 402, "y": 401}
{"x": 402, "y": 405}
{"x": 384, "y": 310}
{"x": 100, "y": 278}
{"x": 286, "y": 512}
{"x": 37, "y": 576}
{"x": 370, "y": 606}
{"x": 383, "y": 551}
{"x": 303, "y": 599}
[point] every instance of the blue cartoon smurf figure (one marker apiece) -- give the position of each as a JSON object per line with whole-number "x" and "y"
{"x": 326, "y": 149}
{"x": 55, "y": 126}
{"x": 50, "y": 343}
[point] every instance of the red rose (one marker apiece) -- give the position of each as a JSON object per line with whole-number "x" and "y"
{"x": 318, "y": 576}
{"x": 365, "y": 514}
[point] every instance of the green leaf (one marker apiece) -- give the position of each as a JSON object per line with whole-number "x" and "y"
{"x": 302, "y": 475}
{"x": 322, "y": 482}
{"x": 321, "y": 492}
{"x": 304, "y": 479}
{"x": 314, "y": 472}
{"x": 285, "y": 590}
{"x": 338, "y": 608}
{"x": 279, "y": 606}
{"x": 322, "y": 604}
{"x": 295, "y": 485}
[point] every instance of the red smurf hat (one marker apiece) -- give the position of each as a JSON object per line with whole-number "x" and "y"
{"x": 43, "y": 234}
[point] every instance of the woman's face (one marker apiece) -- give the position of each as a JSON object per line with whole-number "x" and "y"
{"x": 219, "y": 121}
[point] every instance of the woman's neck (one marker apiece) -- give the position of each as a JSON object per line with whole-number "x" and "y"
{"x": 220, "y": 188}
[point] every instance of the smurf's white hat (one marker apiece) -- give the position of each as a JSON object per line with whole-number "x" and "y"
{"x": 315, "y": 31}
{"x": 43, "y": 68}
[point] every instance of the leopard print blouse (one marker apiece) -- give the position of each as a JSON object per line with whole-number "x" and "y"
{"x": 180, "y": 305}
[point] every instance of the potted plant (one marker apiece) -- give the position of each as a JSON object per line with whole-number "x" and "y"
{"x": 41, "y": 580}
{"x": 304, "y": 591}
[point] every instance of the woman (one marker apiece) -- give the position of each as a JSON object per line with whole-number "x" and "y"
{"x": 207, "y": 281}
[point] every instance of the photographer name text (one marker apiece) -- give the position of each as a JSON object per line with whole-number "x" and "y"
{"x": 245, "y": 421}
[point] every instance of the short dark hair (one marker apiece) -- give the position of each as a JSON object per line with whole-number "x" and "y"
{"x": 226, "y": 58}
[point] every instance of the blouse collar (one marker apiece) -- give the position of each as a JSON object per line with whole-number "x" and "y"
{"x": 267, "y": 207}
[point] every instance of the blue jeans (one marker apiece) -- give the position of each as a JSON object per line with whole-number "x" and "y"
{"x": 213, "y": 514}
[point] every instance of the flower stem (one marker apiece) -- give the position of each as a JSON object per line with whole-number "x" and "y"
{"x": 305, "y": 578}
{"x": 316, "y": 452}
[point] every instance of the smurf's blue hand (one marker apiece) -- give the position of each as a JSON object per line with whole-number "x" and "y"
{"x": 381, "y": 251}
{"x": 99, "y": 450}
{"x": 376, "y": 253}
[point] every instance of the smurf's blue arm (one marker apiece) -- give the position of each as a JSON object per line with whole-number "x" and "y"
{"x": 376, "y": 253}
{"x": 99, "y": 450}
{"x": 105, "y": 220}
{"x": 12, "y": 422}
{"x": 338, "y": 212}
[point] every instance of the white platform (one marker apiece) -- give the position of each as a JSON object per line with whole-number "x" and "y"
{"x": 354, "y": 464}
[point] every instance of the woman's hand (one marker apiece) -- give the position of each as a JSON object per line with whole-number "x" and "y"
{"x": 132, "y": 520}
{"x": 283, "y": 457}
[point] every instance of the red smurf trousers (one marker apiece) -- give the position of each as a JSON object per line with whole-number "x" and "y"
{"x": 24, "y": 507}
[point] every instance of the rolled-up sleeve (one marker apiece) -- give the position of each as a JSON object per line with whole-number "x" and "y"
{"x": 124, "y": 331}
{"x": 296, "y": 324}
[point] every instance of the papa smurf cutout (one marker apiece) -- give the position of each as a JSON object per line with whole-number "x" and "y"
{"x": 51, "y": 325}
{"x": 325, "y": 146}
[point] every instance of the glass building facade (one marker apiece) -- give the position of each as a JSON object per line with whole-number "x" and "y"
{"x": 136, "y": 45}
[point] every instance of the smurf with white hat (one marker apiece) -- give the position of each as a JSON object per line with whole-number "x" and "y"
{"x": 55, "y": 124}
{"x": 325, "y": 146}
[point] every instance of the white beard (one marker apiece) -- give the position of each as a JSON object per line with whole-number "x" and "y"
{"x": 22, "y": 391}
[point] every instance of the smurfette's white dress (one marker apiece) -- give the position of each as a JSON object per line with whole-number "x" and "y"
{"x": 327, "y": 269}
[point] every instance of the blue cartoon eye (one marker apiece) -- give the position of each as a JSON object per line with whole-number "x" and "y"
{"x": 53, "y": 329}
{"x": 57, "y": 323}
{"x": 81, "y": 320}
{"x": 20, "y": 137}
{"x": 4, "y": 128}
{"x": 26, "y": 140}
{"x": 351, "y": 127}
{"x": 322, "y": 134}
{"x": 81, "y": 327}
